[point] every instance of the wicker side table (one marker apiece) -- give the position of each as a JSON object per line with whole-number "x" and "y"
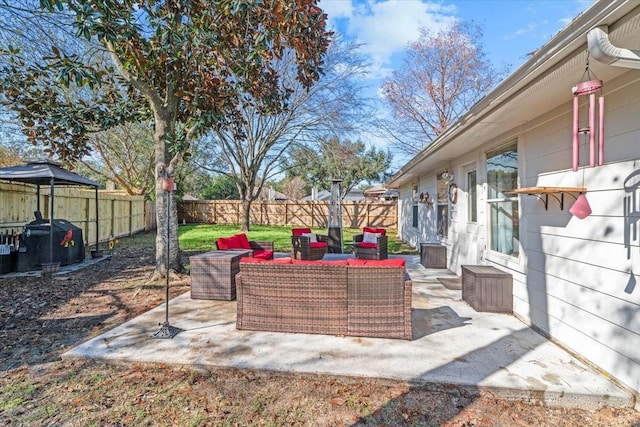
{"x": 213, "y": 274}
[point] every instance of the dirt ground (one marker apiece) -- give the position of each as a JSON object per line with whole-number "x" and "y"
{"x": 42, "y": 317}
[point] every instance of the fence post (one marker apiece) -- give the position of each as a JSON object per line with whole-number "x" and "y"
{"x": 286, "y": 213}
{"x": 87, "y": 209}
{"x": 368, "y": 214}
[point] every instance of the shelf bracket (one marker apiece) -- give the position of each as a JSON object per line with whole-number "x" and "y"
{"x": 542, "y": 193}
{"x": 544, "y": 200}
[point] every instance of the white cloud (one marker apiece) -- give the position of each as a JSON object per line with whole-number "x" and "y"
{"x": 337, "y": 8}
{"x": 386, "y": 27}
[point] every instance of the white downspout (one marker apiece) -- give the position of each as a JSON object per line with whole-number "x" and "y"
{"x": 602, "y": 50}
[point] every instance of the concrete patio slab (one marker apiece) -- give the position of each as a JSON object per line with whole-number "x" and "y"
{"x": 452, "y": 344}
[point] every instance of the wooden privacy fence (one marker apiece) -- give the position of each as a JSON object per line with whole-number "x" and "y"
{"x": 310, "y": 214}
{"x": 119, "y": 214}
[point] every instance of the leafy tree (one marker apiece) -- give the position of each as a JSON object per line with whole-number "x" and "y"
{"x": 186, "y": 65}
{"x": 442, "y": 76}
{"x": 332, "y": 158}
{"x": 334, "y": 105}
{"x": 222, "y": 187}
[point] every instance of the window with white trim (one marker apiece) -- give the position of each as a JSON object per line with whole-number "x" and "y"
{"x": 414, "y": 208}
{"x": 472, "y": 196}
{"x": 502, "y": 176}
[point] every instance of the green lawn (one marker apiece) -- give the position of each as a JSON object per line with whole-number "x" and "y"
{"x": 202, "y": 237}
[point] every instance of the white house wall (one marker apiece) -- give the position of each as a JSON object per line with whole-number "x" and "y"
{"x": 579, "y": 282}
{"x": 576, "y": 280}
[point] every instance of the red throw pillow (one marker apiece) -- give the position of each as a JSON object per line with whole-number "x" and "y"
{"x": 300, "y": 231}
{"x": 318, "y": 245}
{"x": 243, "y": 241}
{"x": 232, "y": 242}
{"x": 235, "y": 243}
{"x": 382, "y": 231}
{"x": 222, "y": 243}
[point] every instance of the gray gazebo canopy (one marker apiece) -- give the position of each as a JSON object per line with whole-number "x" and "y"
{"x": 48, "y": 172}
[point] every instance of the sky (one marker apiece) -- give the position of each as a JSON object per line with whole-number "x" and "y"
{"x": 512, "y": 30}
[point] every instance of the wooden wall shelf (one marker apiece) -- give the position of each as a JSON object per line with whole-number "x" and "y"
{"x": 543, "y": 193}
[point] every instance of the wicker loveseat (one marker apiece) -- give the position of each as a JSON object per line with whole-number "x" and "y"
{"x": 364, "y": 298}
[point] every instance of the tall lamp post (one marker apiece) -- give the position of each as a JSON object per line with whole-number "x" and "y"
{"x": 167, "y": 331}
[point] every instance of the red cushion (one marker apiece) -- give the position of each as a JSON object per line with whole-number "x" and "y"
{"x": 250, "y": 260}
{"x": 318, "y": 244}
{"x": 318, "y": 262}
{"x": 367, "y": 245}
{"x": 230, "y": 243}
{"x": 263, "y": 254}
{"x": 254, "y": 260}
{"x": 280, "y": 261}
{"x": 243, "y": 241}
{"x": 390, "y": 262}
{"x": 300, "y": 231}
{"x": 223, "y": 243}
{"x": 382, "y": 231}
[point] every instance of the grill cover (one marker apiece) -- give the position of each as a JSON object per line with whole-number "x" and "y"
{"x": 34, "y": 244}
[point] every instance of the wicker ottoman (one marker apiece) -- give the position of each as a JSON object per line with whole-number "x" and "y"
{"x": 213, "y": 274}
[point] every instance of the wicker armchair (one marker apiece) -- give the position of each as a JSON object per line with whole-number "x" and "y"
{"x": 304, "y": 248}
{"x": 371, "y": 244}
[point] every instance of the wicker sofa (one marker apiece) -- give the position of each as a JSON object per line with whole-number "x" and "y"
{"x": 364, "y": 298}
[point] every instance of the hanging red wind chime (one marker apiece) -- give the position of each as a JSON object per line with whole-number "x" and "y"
{"x": 588, "y": 87}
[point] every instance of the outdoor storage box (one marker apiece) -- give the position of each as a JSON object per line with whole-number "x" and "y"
{"x": 433, "y": 255}
{"x": 487, "y": 288}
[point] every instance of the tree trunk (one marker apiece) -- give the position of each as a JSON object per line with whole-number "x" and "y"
{"x": 246, "y": 214}
{"x": 166, "y": 206}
